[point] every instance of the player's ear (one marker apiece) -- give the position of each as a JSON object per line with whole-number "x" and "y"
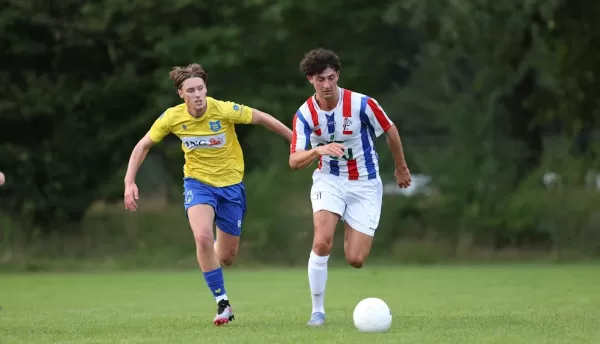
{"x": 309, "y": 78}
{"x": 180, "y": 92}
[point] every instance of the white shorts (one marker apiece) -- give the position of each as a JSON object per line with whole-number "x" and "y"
{"x": 358, "y": 202}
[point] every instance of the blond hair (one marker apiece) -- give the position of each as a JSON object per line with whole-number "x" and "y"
{"x": 180, "y": 74}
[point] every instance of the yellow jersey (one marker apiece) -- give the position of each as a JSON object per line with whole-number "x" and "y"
{"x": 213, "y": 154}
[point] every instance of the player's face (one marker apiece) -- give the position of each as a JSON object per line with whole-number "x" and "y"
{"x": 325, "y": 83}
{"x": 193, "y": 92}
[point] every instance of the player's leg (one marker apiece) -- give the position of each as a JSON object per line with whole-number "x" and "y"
{"x": 200, "y": 204}
{"x": 361, "y": 219}
{"x": 328, "y": 206}
{"x": 229, "y": 219}
{"x": 225, "y": 248}
{"x": 201, "y": 217}
{"x": 324, "y": 222}
{"x": 231, "y": 208}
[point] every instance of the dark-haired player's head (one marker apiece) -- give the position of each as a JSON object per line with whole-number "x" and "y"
{"x": 190, "y": 82}
{"x": 322, "y": 69}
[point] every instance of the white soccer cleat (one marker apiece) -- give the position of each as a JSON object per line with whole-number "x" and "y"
{"x": 316, "y": 319}
{"x": 224, "y": 313}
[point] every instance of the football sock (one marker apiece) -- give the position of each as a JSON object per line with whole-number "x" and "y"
{"x": 214, "y": 281}
{"x": 317, "y": 279}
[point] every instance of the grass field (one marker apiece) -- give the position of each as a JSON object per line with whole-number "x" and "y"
{"x": 441, "y": 304}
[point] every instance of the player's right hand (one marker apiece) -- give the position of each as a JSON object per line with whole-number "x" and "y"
{"x": 333, "y": 149}
{"x": 131, "y": 195}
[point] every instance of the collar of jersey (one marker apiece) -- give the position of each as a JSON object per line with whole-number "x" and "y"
{"x": 314, "y": 99}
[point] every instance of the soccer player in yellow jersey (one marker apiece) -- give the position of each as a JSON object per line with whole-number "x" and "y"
{"x": 213, "y": 171}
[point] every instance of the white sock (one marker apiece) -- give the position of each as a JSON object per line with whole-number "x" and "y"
{"x": 317, "y": 278}
{"x": 221, "y": 297}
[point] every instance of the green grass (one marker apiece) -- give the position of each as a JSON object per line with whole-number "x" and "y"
{"x": 450, "y": 304}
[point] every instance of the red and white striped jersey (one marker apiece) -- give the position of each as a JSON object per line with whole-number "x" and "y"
{"x": 356, "y": 122}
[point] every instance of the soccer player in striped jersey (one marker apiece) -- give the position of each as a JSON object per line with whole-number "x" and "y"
{"x": 214, "y": 192}
{"x": 338, "y": 127}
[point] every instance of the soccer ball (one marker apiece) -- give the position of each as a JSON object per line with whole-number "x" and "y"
{"x": 372, "y": 315}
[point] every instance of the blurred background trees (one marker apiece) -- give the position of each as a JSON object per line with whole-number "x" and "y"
{"x": 496, "y": 102}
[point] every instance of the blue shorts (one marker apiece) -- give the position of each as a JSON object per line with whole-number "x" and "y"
{"x": 229, "y": 203}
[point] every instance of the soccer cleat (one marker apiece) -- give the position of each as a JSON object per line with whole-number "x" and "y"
{"x": 224, "y": 313}
{"x": 316, "y": 319}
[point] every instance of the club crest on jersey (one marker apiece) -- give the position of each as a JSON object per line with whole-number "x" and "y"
{"x": 215, "y": 125}
{"x": 236, "y": 107}
{"x": 346, "y": 127}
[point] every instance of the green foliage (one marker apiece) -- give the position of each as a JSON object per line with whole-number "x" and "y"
{"x": 483, "y": 57}
{"x": 470, "y": 84}
{"x": 88, "y": 79}
{"x": 533, "y": 222}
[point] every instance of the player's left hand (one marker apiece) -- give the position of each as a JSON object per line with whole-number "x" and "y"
{"x": 402, "y": 176}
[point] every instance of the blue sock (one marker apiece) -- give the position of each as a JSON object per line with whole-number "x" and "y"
{"x": 214, "y": 281}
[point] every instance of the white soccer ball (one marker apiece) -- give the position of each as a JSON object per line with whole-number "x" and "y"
{"x": 372, "y": 315}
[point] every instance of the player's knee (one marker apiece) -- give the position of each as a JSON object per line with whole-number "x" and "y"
{"x": 204, "y": 239}
{"x": 322, "y": 242}
{"x": 355, "y": 260}
{"x": 322, "y": 246}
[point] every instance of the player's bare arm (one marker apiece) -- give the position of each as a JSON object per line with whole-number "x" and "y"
{"x": 402, "y": 173}
{"x": 304, "y": 158}
{"x": 271, "y": 123}
{"x": 135, "y": 161}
